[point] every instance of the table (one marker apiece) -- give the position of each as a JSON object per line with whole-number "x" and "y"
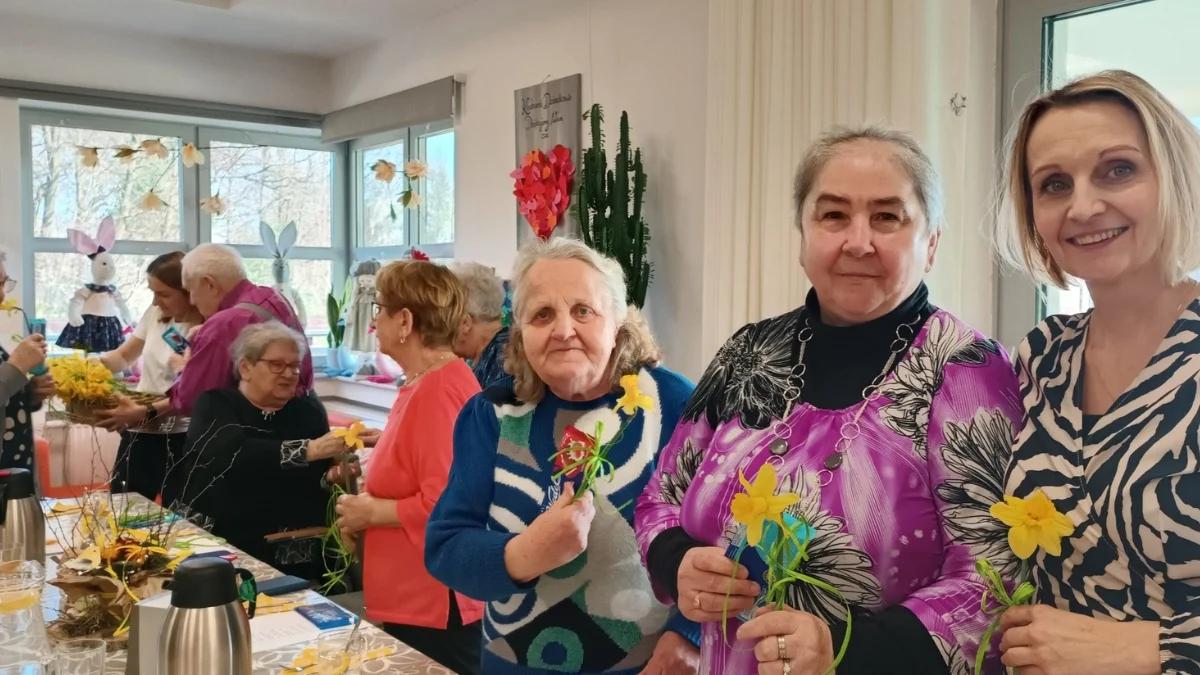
{"x": 406, "y": 661}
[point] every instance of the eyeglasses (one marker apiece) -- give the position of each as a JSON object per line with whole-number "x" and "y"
{"x": 9, "y": 284}
{"x": 378, "y": 308}
{"x": 280, "y": 367}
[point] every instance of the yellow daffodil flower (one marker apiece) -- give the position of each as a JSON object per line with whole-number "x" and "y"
{"x": 384, "y": 171}
{"x": 759, "y": 503}
{"x": 633, "y": 399}
{"x": 10, "y": 306}
{"x": 1032, "y": 522}
{"x": 350, "y": 435}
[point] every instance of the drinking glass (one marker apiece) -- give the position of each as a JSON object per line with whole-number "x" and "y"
{"x": 337, "y": 655}
{"x": 79, "y": 657}
{"x": 23, "y": 668}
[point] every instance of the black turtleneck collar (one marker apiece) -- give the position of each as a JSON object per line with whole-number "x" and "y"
{"x": 842, "y": 360}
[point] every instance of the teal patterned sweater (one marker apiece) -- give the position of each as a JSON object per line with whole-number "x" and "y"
{"x": 598, "y": 613}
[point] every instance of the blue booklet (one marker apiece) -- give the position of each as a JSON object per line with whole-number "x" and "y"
{"x": 326, "y": 615}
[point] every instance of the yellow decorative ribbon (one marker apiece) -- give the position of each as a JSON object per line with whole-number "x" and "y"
{"x": 994, "y": 588}
{"x": 307, "y": 659}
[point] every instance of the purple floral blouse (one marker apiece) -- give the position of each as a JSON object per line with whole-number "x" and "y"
{"x": 904, "y": 518}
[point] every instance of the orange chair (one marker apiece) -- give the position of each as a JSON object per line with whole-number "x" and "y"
{"x": 42, "y": 461}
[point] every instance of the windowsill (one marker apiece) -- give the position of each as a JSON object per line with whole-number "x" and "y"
{"x": 363, "y": 400}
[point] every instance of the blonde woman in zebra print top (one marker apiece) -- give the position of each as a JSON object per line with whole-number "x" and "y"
{"x": 1104, "y": 188}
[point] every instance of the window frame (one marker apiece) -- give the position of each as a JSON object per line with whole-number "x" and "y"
{"x": 1027, "y": 39}
{"x": 195, "y": 225}
{"x": 414, "y": 148}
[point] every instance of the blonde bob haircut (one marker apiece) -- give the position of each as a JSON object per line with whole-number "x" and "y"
{"x": 432, "y": 293}
{"x": 635, "y": 347}
{"x": 1174, "y": 154}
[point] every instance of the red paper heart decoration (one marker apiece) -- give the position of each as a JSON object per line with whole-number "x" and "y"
{"x": 543, "y": 187}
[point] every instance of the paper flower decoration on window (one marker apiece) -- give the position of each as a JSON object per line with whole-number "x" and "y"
{"x": 213, "y": 206}
{"x": 152, "y": 202}
{"x": 384, "y": 171}
{"x": 155, "y": 148}
{"x": 416, "y": 169}
{"x": 543, "y": 187}
{"x": 126, "y": 153}
{"x": 192, "y": 155}
{"x": 89, "y": 157}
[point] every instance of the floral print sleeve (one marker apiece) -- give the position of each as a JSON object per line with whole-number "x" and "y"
{"x": 972, "y": 419}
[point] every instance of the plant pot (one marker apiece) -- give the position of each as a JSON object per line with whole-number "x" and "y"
{"x": 333, "y": 360}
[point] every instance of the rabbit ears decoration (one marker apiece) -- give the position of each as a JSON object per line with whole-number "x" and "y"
{"x": 105, "y": 238}
{"x": 287, "y": 239}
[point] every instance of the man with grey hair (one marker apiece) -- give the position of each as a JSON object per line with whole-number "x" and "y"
{"x": 483, "y": 335}
{"x": 215, "y": 278}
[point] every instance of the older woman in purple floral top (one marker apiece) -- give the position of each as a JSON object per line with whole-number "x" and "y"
{"x": 890, "y": 418}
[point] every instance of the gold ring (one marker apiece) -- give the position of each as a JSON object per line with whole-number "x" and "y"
{"x": 697, "y": 600}
{"x": 787, "y": 667}
{"x": 783, "y": 652}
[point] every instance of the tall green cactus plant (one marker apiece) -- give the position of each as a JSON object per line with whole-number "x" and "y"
{"x": 610, "y": 206}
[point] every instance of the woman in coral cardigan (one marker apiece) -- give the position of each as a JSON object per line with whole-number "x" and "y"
{"x": 419, "y": 310}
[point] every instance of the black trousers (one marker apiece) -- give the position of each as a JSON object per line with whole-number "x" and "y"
{"x": 142, "y": 462}
{"x": 456, "y": 646}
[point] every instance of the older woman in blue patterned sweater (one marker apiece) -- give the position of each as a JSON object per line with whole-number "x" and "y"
{"x": 560, "y": 572}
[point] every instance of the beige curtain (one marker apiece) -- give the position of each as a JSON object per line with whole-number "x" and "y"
{"x": 781, "y": 72}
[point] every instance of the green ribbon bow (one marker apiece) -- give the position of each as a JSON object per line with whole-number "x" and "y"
{"x": 994, "y": 588}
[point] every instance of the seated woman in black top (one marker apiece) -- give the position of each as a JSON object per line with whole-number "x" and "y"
{"x": 252, "y": 469}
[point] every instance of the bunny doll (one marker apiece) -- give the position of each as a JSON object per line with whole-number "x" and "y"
{"x": 361, "y": 312}
{"x": 279, "y": 266}
{"x": 95, "y": 313}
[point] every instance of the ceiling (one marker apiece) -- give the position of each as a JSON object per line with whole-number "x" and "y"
{"x": 317, "y": 28}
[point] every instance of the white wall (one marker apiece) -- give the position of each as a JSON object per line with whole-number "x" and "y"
{"x": 37, "y": 51}
{"x": 648, "y": 57}
{"x": 10, "y": 206}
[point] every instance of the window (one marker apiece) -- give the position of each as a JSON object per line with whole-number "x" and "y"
{"x": 386, "y": 230}
{"x": 260, "y": 177}
{"x": 1052, "y": 43}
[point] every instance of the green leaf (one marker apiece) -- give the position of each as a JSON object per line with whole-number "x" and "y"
{"x": 392, "y": 212}
{"x": 406, "y": 197}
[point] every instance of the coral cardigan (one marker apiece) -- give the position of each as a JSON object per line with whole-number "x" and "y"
{"x": 411, "y": 464}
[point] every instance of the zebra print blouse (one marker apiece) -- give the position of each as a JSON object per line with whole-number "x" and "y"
{"x": 1130, "y": 484}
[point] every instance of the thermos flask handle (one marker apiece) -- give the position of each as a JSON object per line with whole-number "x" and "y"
{"x": 247, "y": 589}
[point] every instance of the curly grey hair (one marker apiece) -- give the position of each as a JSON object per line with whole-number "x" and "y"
{"x": 254, "y": 340}
{"x": 222, "y": 263}
{"x": 908, "y": 153}
{"x": 485, "y": 290}
{"x": 635, "y": 347}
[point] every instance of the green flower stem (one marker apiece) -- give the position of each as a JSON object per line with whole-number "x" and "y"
{"x": 342, "y": 555}
{"x": 994, "y": 588}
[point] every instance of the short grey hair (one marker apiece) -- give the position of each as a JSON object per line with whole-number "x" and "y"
{"x": 255, "y": 339}
{"x": 485, "y": 290}
{"x": 222, "y": 263}
{"x": 563, "y": 248}
{"x": 908, "y": 153}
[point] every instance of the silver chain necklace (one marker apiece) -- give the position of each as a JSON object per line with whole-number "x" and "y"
{"x": 782, "y": 429}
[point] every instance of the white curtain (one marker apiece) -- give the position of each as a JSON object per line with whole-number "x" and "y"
{"x": 783, "y": 71}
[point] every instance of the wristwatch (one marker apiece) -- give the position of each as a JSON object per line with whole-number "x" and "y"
{"x": 151, "y": 413}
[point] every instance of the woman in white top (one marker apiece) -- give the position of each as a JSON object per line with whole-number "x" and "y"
{"x": 152, "y": 445}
